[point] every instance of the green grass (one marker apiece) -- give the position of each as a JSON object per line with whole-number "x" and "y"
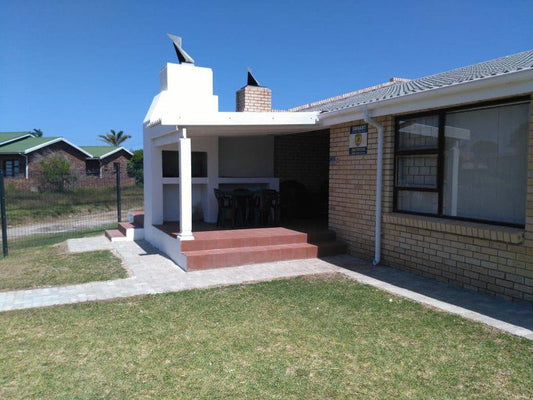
{"x": 54, "y": 238}
{"x": 46, "y": 264}
{"x": 306, "y": 338}
{"x": 24, "y": 206}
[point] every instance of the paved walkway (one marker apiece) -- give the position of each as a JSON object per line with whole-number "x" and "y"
{"x": 151, "y": 272}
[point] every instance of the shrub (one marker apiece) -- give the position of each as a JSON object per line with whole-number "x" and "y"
{"x": 56, "y": 173}
{"x": 135, "y": 167}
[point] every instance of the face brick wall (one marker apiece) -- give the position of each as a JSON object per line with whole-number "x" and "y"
{"x": 254, "y": 98}
{"x": 78, "y": 168}
{"x": 482, "y": 257}
{"x": 303, "y": 157}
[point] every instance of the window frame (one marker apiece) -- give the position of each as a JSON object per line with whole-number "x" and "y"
{"x": 14, "y": 168}
{"x": 441, "y": 115}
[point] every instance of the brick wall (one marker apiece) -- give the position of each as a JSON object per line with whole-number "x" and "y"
{"x": 78, "y": 168}
{"x": 254, "y": 98}
{"x": 303, "y": 157}
{"x": 488, "y": 258}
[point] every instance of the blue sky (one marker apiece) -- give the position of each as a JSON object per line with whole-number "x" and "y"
{"x": 78, "y": 68}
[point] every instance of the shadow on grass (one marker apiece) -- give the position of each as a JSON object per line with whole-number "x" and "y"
{"x": 492, "y": 306}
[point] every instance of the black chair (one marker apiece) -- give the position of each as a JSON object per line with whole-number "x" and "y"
{"x": 269, "y": 207}
{"x": 226, "y": 207}
{"x": 243, "y": 205}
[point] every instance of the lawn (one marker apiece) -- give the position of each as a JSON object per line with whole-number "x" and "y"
{"x": 304, "y": 338}
{"x": 49, "y": 264}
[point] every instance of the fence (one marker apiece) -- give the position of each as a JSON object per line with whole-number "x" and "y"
{"x": 45, "y": 205}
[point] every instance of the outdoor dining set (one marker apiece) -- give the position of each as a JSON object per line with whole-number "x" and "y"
{"x": 245, "y": 208}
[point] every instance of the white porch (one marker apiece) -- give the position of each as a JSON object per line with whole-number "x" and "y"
{"x": 190, "y": 149}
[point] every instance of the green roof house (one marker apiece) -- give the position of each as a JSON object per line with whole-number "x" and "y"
{"x": 21, "y": 153}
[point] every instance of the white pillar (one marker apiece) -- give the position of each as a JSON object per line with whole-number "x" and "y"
{"x": 185, "y": 186}
{"x": 153, "y": 183}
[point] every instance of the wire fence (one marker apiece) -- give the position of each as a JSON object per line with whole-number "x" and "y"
{"x": 39, "y": 206}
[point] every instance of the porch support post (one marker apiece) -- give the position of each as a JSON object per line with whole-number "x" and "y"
{"x": 185, "y": 187}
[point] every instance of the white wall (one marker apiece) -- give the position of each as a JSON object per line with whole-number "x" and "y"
{"x": 246, "y": 156}
{"x": 204, "y": 203}
{"x": 171, "y": 202}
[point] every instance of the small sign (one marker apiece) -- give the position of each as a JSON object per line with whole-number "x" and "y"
{"x": 358, "y": 139}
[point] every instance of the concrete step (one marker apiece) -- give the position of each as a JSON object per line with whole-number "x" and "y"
{"x": 115, "y": 235}
{"x": 138, "y": 218}
{"x": 331, "y": 248}
{"x": 126, "y": 232}
{"x": 231, "y": 257}
{"x": 242, "y": 238}
{"x": 325, "y": 235}
{"x": 124, "y": 226}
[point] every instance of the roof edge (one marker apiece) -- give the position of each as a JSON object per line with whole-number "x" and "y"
{"x": 512, "y": 84}
{"x": 56, "y": 140}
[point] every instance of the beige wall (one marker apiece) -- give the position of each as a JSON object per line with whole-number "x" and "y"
{"x": 483, "y": 257}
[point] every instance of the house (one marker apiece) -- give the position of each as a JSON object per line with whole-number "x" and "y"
{"x": 21, "y": 153}
{"x": 102, "y": 160}
{"x": 433, "y": 175}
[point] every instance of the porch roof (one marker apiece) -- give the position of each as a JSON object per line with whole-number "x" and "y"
{"x": 238, "y": 123}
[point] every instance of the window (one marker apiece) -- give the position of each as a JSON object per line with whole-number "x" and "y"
{"x": 92, "y": 167}
{"x": 11, "y": 168}
{"x": 466, "y": 164}
{"x": 171, "y": 164}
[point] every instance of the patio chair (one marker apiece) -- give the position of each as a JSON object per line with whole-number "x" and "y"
{"x": 269, "y": 207}
{"x": 226, "y": 208}
{"x": 243, "y": 205}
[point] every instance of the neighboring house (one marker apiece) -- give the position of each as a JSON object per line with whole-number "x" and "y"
{"x": 433, "y": 175}
{"x": 21, "y": 154}
{"x": 103, "y": 159}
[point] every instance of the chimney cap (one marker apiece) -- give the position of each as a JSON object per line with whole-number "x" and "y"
{"x": 251, "y": 81}
{"x": 183, "y": 57}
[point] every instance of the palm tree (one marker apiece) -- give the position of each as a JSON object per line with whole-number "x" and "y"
{"x": 114, "y": 138}
{"x": 37, "y": 133}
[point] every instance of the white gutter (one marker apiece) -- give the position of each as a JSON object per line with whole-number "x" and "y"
{"x": 379, "y": 184}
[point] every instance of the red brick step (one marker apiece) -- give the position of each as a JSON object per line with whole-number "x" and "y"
{"x": 242, "y": 238}
{"x": 114, "y": 233}
{"x": 231, "y": 257}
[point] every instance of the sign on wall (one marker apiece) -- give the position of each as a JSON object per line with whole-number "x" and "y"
{"x": 358, "y": 139}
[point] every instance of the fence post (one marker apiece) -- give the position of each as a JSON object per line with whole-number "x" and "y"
{"x": 3, "y": 212}
{"x": 119, "y": 195}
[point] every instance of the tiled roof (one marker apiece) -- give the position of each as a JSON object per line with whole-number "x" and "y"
{"x": 99, "y": 151}
{"x": 21, "y": 146}
{"x": 487, "y": 69}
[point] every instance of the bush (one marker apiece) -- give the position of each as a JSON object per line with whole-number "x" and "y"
{"x": 135, "y": 167}
{"x": 56, "y": 173}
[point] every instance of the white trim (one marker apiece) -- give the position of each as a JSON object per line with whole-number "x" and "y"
{"x": 15, "y": 139}
{"x": 60, "y": 139}
{"x": 113, "y": 152}
{"x": 243, "y": 119}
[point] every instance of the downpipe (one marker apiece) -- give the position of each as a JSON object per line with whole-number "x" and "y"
{"x": 379, "y": 184}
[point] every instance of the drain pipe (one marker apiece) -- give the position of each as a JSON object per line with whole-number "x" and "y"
{"x": 379, "y": 184}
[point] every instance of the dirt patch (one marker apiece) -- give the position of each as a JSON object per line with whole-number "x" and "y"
{"x": 62, "y": 248}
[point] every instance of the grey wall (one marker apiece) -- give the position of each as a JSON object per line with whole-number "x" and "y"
{"x": 246, "y": 156}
